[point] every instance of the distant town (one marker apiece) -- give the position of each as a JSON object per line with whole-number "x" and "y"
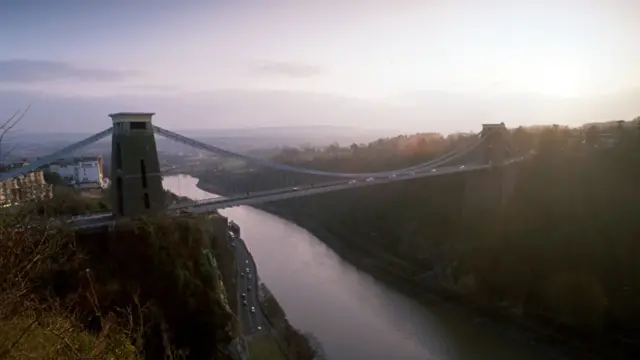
{"x": 85, "y": 174}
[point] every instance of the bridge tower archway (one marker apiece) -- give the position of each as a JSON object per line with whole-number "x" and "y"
{"x": 135, "y": 165}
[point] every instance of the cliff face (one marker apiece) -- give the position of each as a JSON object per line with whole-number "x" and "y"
{"x": 164, "y": 267}
{"x": 559, "y": 255}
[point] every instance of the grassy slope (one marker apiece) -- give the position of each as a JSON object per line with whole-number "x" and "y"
{"x": 66, "y": 295}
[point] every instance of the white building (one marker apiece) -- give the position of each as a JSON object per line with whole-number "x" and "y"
{"x": 83, "y": 171}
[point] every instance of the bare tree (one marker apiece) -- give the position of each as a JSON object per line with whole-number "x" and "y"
{"x": 7, "y": 126}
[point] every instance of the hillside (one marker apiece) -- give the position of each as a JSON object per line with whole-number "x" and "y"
{"x": 560, "y": 256}
{"x": 71, "y": 295}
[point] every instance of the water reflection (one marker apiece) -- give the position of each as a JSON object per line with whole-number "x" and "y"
{"x": 353, "y": 315}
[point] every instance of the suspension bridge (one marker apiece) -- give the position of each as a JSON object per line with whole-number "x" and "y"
{"x": 137, "y": 180}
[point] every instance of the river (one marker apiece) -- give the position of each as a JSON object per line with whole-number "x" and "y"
{"x": 354, "y": 316}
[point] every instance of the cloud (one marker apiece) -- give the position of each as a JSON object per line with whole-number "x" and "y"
{"x": 33, "y": 71}
{"x": 295, "y": 70}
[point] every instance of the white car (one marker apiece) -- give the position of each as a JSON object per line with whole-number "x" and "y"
{"x": 462, "y": 167}
{"x": 296, "y": 188}
{"x": 353, "y": 182}
{"x": 253, "y": 309}
{"x": 369, "y": 179}
{"x": 434, "y": 170}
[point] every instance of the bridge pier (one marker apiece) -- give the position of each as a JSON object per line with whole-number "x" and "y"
{"x": 135, "y": 170}
{"x": 486, "y": 192}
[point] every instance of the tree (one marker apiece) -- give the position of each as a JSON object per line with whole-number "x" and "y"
{"x": 522, "y": 140}
{"x": 53, "y": 178}
{"x": 592, "y": 135}
{"x": 7, "y": 126}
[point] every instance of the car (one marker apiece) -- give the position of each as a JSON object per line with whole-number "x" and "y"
{"x": 253, "y": 309}
{"x": 370, "y": 179}
{"x": 434, "y": 170}
{"x": 246, "y": 261}
{"x": 249, "y": 288}
{"x": 244, "y": 303}
{"x": 462, "y": 167}
{"x": 243, "y": 295}
{"x": 249, "y": 276}
{"x": 242, "y": 274}
{"x": 259, "y": 328}
{"x": 392, "y": 176}
{"x": 353, "y": 181}
{"x": 248, "y": 271}
{"x": 296, "y": 188}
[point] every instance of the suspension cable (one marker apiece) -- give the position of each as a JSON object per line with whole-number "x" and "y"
{"x": 55, "y": 156}
{"x": 216, "y": 150}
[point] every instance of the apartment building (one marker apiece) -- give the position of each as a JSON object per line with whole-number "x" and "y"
{"x": 24, "y": 188}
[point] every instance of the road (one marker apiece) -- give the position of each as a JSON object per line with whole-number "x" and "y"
{"x": 294, "y": 192}
{"x": 205, "y": 206}
{"x": 249, "y": 311}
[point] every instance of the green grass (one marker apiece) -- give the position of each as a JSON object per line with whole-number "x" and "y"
{"x": 265, "y": 347}
{"x": 233, "y": 164}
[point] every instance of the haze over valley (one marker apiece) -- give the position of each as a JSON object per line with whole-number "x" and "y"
{"x": 320, "y": 180}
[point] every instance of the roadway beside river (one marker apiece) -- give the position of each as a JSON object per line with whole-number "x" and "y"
{"x": 507, "y": 326}
{"x": 355, "y": 316}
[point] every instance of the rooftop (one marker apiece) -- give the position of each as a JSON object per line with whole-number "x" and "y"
{"x": 137, "y": 116}
{"x": 74, "y": 160}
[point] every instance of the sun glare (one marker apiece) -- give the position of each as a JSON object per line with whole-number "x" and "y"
{"x": 557, "y": 78}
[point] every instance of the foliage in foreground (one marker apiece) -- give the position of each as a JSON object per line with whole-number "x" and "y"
{"x": 144, "y": 291}
{"x": 34, "y": 325}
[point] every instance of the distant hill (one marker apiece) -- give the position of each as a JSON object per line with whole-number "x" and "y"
{"x": 239, "y": 140}
{"x": 267, "y": 137}
{"x": 612, "y": 123}
{"x": 259, "y": 111}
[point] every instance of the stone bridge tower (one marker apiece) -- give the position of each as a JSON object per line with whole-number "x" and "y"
{"x": 487, "y": 191}
{"x": 135, "y": 170}
{"x": 493, "y": 151}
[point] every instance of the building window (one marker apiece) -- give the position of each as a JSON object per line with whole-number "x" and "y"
{"x": 138, "y": 125}
{"x": 118, "y": 157}
{"x": 147, "y": 204}
{"x": 143, "y": 174}
{"x": 119, "y": 196}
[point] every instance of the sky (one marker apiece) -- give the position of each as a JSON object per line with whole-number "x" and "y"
{"x": 415, "y": 65}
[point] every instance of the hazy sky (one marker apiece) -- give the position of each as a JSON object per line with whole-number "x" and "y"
{"x": 372, "y": 54}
